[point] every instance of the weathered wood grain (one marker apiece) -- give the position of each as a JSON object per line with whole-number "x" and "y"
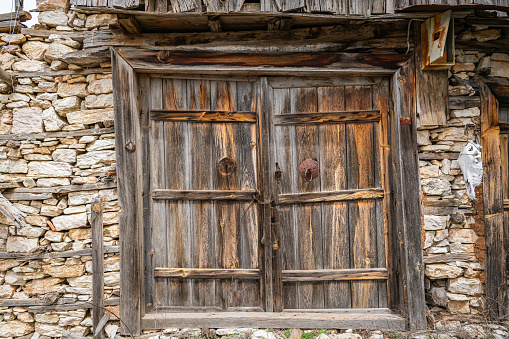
{"x": 127, "y": 129}
{"x": 326, "y": 118}
{"x": 207, "y": 273}
{"x": 33, "y": 136}
{"x": 202, "y": 116}
{"x": 325, "y": 196}
{"x": 203, "y": 194}
{"x": 96, "y": 211}
{"x": 275, "y": 320}
{"x": 326, "y": 275}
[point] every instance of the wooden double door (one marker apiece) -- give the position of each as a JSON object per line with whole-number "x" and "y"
{"x": 231, "y": 224}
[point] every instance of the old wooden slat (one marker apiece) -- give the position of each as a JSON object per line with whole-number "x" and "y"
{"x": 361, "y": 214}
{"x": 327, "y": 118}
{"x": 407, "y": 238}
{"x": 126, "y": 4}
{"x": 275, "y": 320}
{"x": 70, "y": 306}
{"x": 248, "y": 291}
{"x": 97, "y": 265}
{"x": 270, "y": 63}
{"x": 64, "y": 189}
{"x": 92, "y": 57}
{"x": 161, "y": 6}
{"x": 22, "y": 16}
{"x": 438, "y": 156}
{"x": 506, "y": 203}
{"x": 432, "y": 90}
{"x": 127, "y": 130}
{"x": 34, "y": 136}
{"x": 378, "y": 6}
{"x": 203, "y": 116}
{"x": 493, "y": 197}
{"x": 23, "y": 302}
{"x": 28, "y": 196}
{"x": 207, "y": 273}
{"x": 203, "y": 194}
{"x": 98, "y": 329}
{"x": 266, "y": 169}
{"x": 65, "y": 254}
{"x": 343, "y": 274}
{"x": 334, "y": 220}
{"x": 330, "y": 196}
{"x": 205, "y": 251}
{"x": 359, "y": 7}
{"x": 291, "y": 82}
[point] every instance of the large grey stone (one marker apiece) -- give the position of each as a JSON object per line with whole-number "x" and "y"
{"x": 71, "y": 221}
{"x": 439, "y": 296}
{"x": 442, "y": 271}
{"x": 27, "y": 120}
{"x": 53, "y": 18}
{"x": 56, "y": 50}
{"x": 49, "y": 169}
{"x": 465, "y": 286}
{"x": 68, "y": 90}
{"x": 101, "y": 144}
{"x": 35, "y": 49}
{"x": 13, "y": 166}
{"x": 100, "y": 20}
{"x": 90, "y": 159}
{"x": 52, "y": 121}
{"x": 30, "y": 66}
{"x": 435, "y": 222}
{"x": 64, "y": 155}
{"x": 9, "y": 329}
{"x": 21, "y": 244}
{"x": 463, "y": 236}
{"x": 466, "y": 112}
{"x": 435, "y": 186}
{"x": 99, "y": 101}
{"x": 66, "y": 105}
{"x": 91, "y": 116}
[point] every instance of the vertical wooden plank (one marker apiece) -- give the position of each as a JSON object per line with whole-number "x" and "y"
{"x": 504, "y": 151}
{"x": 268, "y": 186}
{"x": 340, "y": 6}
{"x": 205, "y": 249}
{"x": 361, "y": 153}
{"x": 407, "y": 218}
{"x": 149, "y": 281}
{"x": 496, "y": 274}
{"x": 129, "y": 190}
{"x": 161, "y": 6}
{"x": 248, "y": 291}
{"x": 304, "y": 100}
{"x": 292, "y": 5}
{"x": 432, "y": 90}
{"x": 176, "y": 137}
{"x": 96, "y": 211}
{"x": 223, "y": 96}
{"x": 378, "y": 7}
{"x": 335, "y": 215}
{"x": 284, "y": 152}
{"x": 157, "y": 166}
{"x": 359, "y": 7}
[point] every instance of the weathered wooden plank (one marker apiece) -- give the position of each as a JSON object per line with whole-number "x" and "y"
{"x": 207, "y": 273}
{"x": 343, "y": 274}
{"x": 64, "y": 189}
{"x": 275, "y": 320}
{"x": 446, "y": 258}
{"x": 203, "y": 116}
{"x": 407, "y": 239}
{"x": 438, "y": 156}
{"x": 126, "y": 4}
{"x": 327, "y": 118}
{"x": 28, "y": 196}
{"x": 96, "y": 211}
{"x": 431, "y": 88}
{"x": 327, "y": 83}
{"x": 65, "y": 254}
{"x": 34, "y": 136}
{"x": 204, "y": 194}
{"x": 129, "y": 24}
{"x": 127, "y": 129}
{"x": 270, "y": 63}
{"x": 493, "y": 197}
{"x": 463, "y": 102}
{"x": 344, "y": 195}
{"x": 71, "y": 306}
{"x": 98, "y": 329}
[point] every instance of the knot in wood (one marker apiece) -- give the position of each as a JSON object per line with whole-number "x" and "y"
{"x": 226, "y": 166}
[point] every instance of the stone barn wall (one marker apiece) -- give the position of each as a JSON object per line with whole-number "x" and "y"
{"x": 60, "y": 154}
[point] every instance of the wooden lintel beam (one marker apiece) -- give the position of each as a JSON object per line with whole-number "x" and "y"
{"x": 345, "y": 195}
{"x": 206, "y": 273}
{"x": 344, "y": 274}
{"x": 214, "y": 23}
{"x": 167, "y": 194}
{"x": 130, "y": 24}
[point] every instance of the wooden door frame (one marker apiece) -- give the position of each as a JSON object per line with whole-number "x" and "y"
{"x": 493, "y": 201}
{"x": 406, "y": 270}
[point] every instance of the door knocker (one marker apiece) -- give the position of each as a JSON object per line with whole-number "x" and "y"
{"x": 309, "y": 169}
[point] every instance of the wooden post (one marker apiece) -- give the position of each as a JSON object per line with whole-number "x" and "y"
{"x": 97, "y": 267}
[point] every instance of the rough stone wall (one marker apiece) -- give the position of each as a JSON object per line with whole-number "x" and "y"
{"x": 53, "y": 97}
{"x": 453, "y": 225}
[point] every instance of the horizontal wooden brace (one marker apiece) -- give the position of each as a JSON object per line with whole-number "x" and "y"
{"x": 65, "y": 254}
{"x": 44, "y": 135}
{"x": 63, "y": 189}
{"x": 202, "y": 309}
{"x": 202, "y": 116}
{"x": 327, "y": 117}
{"x": 206, "y": 273}
{"x": 344, "y": 274}
{"x": 203, "y": 194}
{"x": 72, "y": 306}
{"x": 506, "y": 204}
{"x": 330, "y": 196}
